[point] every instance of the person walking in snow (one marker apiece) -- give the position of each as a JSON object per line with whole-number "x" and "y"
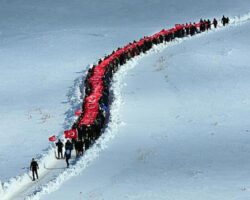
{"x": 34, "y": 167}
{"x": 67, "y": 156}
{"x": 224, "y": 20}
{"x": 59, "y": 145}
{"x": 68, "y": 146}
{"x": 215, "y": 22}
{"x": 79, "y": 147}
{"x": 86, "y": 142}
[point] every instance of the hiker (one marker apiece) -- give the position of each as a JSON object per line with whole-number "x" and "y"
{"x": 68, "y": 146}
{"x": 59, "y": 145}
{"x": 34, "y": 167}
{"x": 86, "y": 142}
{"x": 79, "y": 147}
{"x": 224, "y": 20}
{"x": 202, "y": 25}
{"x": 215, "y": 22}
{"x": 80, "y": 151}
{"x": 67, "y": 156}
{"x": 208, "y": 24}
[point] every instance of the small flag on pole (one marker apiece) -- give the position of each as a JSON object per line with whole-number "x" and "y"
{"x": 71, "y": 133}
{"x": 52, "y": 138}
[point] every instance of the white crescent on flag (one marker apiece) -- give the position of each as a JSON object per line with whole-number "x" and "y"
{"x": 70, "y": 133}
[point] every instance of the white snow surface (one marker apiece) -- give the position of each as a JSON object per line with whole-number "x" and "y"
{"x": 180, "y": 117}
{"x": 183, "y": 133}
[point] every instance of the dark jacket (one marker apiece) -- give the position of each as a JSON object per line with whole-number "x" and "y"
{"x": 68, "y": 145}
{"x": 33, "y": 165}
{"x": 59, "y": 145}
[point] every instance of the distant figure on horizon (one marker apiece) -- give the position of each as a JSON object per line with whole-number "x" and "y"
{"x": 34, "y": 167}
{"x": 224, "y": 20}
{"x": 215, "y": 22}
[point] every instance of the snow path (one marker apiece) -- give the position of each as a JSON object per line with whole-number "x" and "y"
{"x": 54, "y": 174}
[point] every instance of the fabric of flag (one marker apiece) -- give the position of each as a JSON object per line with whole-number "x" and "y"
{"x": 78, "y": 112}
{"x": 52, "y": 138}
{"x": 72, "y": 133}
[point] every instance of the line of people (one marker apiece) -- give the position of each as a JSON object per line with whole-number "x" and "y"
{"x": 77, "y": 144}
{"x": 95, "y": 107}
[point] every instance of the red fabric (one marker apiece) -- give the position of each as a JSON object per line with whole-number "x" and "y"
{"x": 98, "y": 89}
{"x": 91, "y": 103}
{"x": 197, "y": 25}
{"x": 99, "y": 70}
{"x": 172, "y": 30}
{"x": 141, "y": 42}
{"x": 52, "y": 138}
{"x": 70, "y": 133}
{"x": 118, "y": 52}
{"x": 95, "y": 78}
{"x": 88, "y": 118}
{"x": 93, "y": 98}
{"x": 178, "y": 26}
{"x": 91, "y": 107}
{"x": 165, "y": 32}
{"x": 78, "y": 112}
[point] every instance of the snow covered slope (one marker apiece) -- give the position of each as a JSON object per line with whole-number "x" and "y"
{"x": 45, "y": 46}
{"x": 185, "y": 126}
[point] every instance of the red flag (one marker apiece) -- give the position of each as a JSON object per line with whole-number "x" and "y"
{"x": 70, "y": 133}
{"x": 52, "y": 138}
{"x": 78, "y": 112}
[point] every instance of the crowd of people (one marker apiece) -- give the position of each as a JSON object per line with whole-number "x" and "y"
{"x": 95, "y": 107}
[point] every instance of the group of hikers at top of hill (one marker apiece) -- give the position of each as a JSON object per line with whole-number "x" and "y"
{"x": 89, "y": 127}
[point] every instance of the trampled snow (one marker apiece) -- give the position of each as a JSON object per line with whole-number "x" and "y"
{"x": 182, "y": 131}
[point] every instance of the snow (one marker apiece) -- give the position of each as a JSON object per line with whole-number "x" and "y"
{"x": 189, "y": 134}
{"x": 185, "y": 130}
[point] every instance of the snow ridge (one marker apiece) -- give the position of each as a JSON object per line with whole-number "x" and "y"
{"x": 14, "y": 185}
{"x": 17, "y": 184}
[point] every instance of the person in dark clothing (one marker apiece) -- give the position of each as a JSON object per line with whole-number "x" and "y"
{"x": 193, "y": 29}
{"x": 80, "y": 152}
{"x": 86, "y": 142}
{"x": 73, "y": 141}
{"x": 59, "y": 145}
{"x": 202, "y": 25}
{"x": 34, "y": 167}
{"x": 79, "y": 148}
{"x": 187, "y": 29}
{"x": 208, "y": 24}
{"x": 224, "y": 20}
{"x": 215, "y": 22}
{"x": 67, "y": 156}
{"x": 68, "y": 146}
